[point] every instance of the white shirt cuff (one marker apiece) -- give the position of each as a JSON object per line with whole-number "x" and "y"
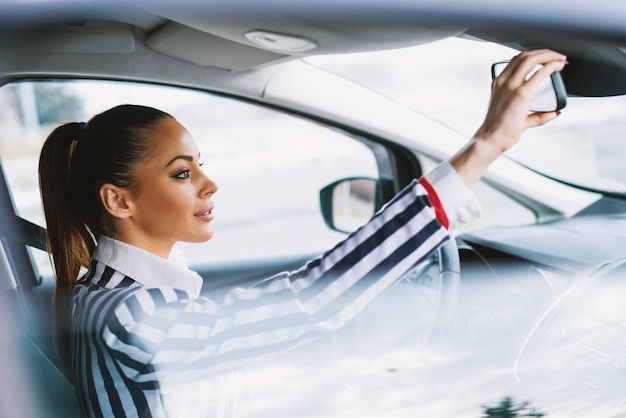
{"x": 459, "y": 203}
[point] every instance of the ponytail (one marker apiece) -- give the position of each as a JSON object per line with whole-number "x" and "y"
{"x": 69, "y": 242}
{"x": 75, "y": 161}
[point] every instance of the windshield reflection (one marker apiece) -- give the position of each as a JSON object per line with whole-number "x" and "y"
{"x": 507, "y": 408}
{"x": 525, "y": 343}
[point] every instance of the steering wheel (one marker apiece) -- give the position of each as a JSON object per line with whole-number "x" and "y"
{"x": 442, "y": 274}
{"x": 448, "y": 288}
{"x": 421, "y": 307}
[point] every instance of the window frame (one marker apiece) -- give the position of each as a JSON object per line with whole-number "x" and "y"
{"x": 393, "y": 162}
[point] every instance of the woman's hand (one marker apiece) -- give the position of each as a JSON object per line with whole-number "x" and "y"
{"x": 508, "y": 115}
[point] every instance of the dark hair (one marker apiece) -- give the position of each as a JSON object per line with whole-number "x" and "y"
{"x": 75, "y": 161}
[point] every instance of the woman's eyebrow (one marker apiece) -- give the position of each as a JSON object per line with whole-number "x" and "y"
{"x": 179, "y": 157}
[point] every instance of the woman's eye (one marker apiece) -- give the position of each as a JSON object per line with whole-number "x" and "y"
{"x": 182, "y": 175}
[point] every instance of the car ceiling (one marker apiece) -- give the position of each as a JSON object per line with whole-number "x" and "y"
{"x": 212, "y": 35}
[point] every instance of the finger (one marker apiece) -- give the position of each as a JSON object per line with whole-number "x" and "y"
{"x": 545, "y": 72}
{"x": 540, "y": 118}
{"x": 524, "y": 63}
{"x": 515, "y": 62}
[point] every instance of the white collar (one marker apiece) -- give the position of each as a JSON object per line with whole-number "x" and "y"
{"x": 146, "y": 268}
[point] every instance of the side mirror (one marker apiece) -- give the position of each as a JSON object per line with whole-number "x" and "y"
{"x": 348, "y": 204}
{"x": 550, "y": 95}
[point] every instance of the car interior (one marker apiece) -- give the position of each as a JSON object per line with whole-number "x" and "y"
{"x": 251, "y": 61}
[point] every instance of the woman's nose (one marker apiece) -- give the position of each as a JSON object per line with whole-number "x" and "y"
{"x": 208, "y": 186}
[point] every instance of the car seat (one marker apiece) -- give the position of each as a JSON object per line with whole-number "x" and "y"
{"x": 31, "y": 382}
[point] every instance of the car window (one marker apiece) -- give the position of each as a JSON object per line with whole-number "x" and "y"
{"x": 269, "y": 165}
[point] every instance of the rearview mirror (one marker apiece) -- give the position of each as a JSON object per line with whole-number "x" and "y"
{"x": 550, "y": 96}
{"x": 348, "y": 204}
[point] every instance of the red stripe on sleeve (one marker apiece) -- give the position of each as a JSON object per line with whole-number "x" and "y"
{"x": 440, "y": 213}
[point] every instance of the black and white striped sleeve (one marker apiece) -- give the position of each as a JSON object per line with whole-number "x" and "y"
{"x": 161, "y": 333}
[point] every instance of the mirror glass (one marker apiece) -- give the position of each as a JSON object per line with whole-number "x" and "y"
{"x": 550, "y": 95}
{"x": 354, "y": 203}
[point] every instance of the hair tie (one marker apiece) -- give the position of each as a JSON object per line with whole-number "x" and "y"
{"x": 81, "y": 126}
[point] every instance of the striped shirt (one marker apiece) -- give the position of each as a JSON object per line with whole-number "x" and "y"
{"x": 137, "y": 335}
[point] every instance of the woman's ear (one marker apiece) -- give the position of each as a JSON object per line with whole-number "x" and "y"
{"x": 114, "y": 200}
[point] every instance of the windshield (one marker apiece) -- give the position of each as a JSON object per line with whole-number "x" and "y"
{"x": 580, "y": 147}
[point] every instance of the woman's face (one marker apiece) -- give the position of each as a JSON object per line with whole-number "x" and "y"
{"x": 172, "y": 198}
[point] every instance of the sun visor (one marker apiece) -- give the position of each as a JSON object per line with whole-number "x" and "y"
{"x": 202, "y": 48}
{"x": 88, "y": 36}
{"x": 302, "y": 35}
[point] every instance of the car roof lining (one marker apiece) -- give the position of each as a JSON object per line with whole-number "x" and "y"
{"x": 221, "y": 43}
{"x": 216, "y": 46}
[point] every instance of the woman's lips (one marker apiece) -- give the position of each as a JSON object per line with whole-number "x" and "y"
{"x": 205, "y": 214}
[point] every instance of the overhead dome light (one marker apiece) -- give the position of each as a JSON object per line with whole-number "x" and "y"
{"x": 279, "y": 42}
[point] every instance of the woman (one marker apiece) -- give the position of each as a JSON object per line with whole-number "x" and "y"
{"x": 121, "y": 190}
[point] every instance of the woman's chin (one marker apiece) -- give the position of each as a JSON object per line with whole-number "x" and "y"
{"x": 205, "y": 236}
